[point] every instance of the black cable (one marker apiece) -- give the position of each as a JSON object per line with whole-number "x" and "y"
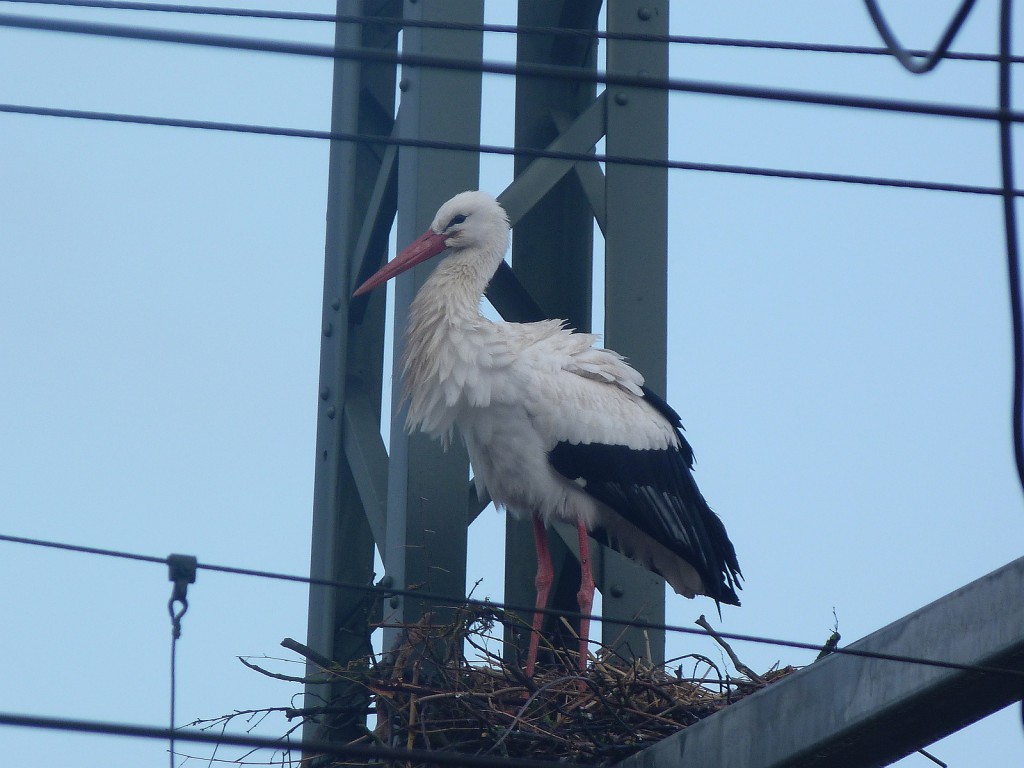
{"x": 855, "y": 50}
{"x": 1004, "y": 115}
{"x": 489, "y": 605}
{"x": 360, "y": 752}
{"x": 197, "y": 10}
{"x": 78, "y": 548}
{"x": 1007, "y": 191}
{"x": 683, "y": 165}
{"x": 911, "y": 61}
{"x": 1010, "y": 222}
{"x": 776, "y": 45}
{"x": 174, "y": 690}
{"x": 502, "y": 68}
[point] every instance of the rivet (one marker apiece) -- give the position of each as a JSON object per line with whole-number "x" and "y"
{"x": 335, "y": 303}
{"x": 386, "y": 581}
{"x": 325, "y": 392}
{"x": 644, "y": 14}
{"x": 403, "y": 84}
{"x": 328, "y": 329}
{"x": 394, "y": 602}
{"x": 331, "y": 413}
{"x": 621, "y": 99}
{"x": 617, "y": 590}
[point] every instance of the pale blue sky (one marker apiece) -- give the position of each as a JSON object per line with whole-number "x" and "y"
{"x": 840, "y": 355}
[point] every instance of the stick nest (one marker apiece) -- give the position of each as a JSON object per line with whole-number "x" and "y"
{"x": 444, "y": 687}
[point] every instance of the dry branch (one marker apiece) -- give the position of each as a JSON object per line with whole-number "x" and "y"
{"x": 702, "y": 622}
{"x": 286, "y": 678}
{"x": 308, "y": 653}
{"x": 428, "y": 694}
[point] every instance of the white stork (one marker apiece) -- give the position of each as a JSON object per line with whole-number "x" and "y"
{"x": 556, "y": 429}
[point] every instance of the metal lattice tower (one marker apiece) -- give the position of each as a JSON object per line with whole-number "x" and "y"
{"x": 415, "y": 504}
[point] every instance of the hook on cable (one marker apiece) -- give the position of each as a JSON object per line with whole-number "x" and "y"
{"x": 181, "y": 569}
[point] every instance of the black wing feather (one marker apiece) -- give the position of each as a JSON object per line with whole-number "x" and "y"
{"x": 655, "y": 491}
{"x": 672, "y": 417}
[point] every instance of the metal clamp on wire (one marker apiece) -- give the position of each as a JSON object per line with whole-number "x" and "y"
{"x": 182, "y": 571}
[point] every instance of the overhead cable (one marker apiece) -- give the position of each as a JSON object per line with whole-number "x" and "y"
{"x": 254, "y": 13}
{"x": 913, "y": 61}
{"x": 1010, "y": 224}
{"x": 493, "y": 149}
{"x": 503, "y": 68}
{"x": 490, "y": 605}
{"x": 361, "y": 752}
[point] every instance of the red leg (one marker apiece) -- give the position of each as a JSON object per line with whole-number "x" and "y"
{"x": 545, "y": 577}
{"x": 585, "y": 597}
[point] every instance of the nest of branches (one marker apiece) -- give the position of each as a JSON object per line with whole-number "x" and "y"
{"x": 446, "y": 687}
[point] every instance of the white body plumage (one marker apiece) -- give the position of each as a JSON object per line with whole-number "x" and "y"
{"x": 553, "y": 425}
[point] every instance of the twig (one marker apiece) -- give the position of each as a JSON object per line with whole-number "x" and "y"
{"x": 525, "y": 706}
{"x": 702, "y": 622}
{"x": 316, "y": 679}
{"x": 305, "y": 651}
{"x": 483, "y": 703}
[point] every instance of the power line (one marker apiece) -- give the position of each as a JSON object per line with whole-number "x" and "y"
{"x": 912, "y": 62}
{"x": 777, "y": 45}
{"x": 683, "y": 165}
{"x": 502, "y": 28}
{"x": 181, "y": 571}
{"x": 1004, "y": 115}
{"x": 198, "y": 10}
{"x": 920, "y": 67}
{"x": 360, "y": 752}
{"x": 489, "y": 605}
{"x": 503, "y": 68}
{"x": 82, "y": 549}
{"x": 1010, "y": 222}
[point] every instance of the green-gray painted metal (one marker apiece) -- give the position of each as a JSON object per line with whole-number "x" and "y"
{"x": 427, "y": 500}
{"x": 636, "y": 274}
{"x": 852, "y": 712}
{"x": 366, "y": 455}
{"x": 376, "y": 228}
{"x": 590, "y": 175}
{"x": 350, "y": 359}
{"x": 842, "y": 711}
{"x": 552, "y": 256}
{"x": 551, "y": 252}
{"x": 420, "y": 487}
{"x": 539, "y": 176}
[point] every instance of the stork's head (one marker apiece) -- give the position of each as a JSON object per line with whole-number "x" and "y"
{"x": 471, "y": 220}
{"x": 472, "y": 224}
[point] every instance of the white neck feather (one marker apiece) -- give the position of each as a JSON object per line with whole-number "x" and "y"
{"x": 446, "y": 336}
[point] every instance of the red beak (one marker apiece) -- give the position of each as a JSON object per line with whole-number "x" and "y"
{"x": 422, "y": 248}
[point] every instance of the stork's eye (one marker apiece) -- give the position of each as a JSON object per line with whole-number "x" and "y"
{"x": 457, "y": 220}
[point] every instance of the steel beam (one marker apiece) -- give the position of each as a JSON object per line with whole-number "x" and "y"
{"x": 505, "y": 291}
{"x": 589, "y": 174}
{"x": 636, "y": 273}
{"x": 552, "y": 248}
{"x": 550, "y": 258}
{"x": 342, "y": 542}
{"x": 851, "y": 712}
{"x": 371, "y": 247}
{"x": 540, "y": 175}
{"x": 427, "y": 500}
{"x": 366, "y": 456}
